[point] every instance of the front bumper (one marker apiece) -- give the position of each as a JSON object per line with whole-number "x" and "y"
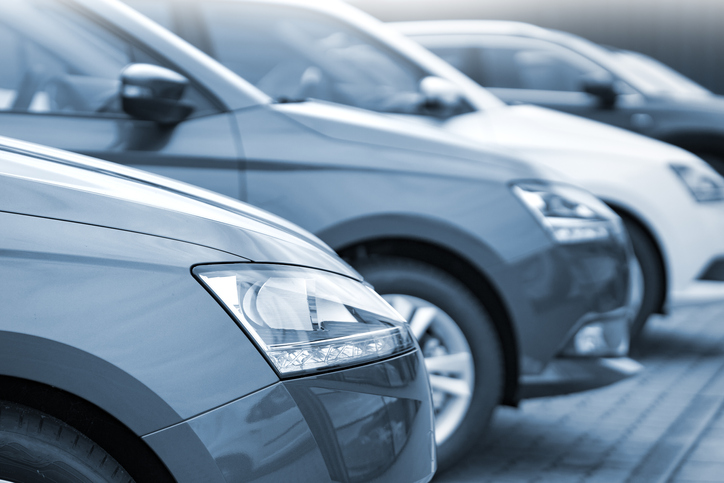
{"x": 567, "y": 375}
{"x": 707, "y": 288}
{"x": 693, "y": 242}
{"x": 370, "y": 422}
{"x": 564, "y": 375}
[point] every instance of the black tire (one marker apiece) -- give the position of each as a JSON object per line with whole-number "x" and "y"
{"x": 36, "y": 447}
{"x": 653, "y": 279}
{"x": 437, "y": 287}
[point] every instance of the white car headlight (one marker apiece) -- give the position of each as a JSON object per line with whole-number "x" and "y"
{"x": 704, "y": 186}
{"x": 307, "y": 320}
{"x": 570, "y": 214}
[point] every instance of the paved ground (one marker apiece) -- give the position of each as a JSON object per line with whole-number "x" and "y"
{"x": 666, "y": 425}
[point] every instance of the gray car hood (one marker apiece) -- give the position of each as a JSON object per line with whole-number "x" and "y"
{"x": 409, "y": 146}
{"x": 50, "y": 183}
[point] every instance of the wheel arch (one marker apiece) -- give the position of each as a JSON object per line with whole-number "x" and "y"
{"x": 131, "y": 452}
{"x": 445, "y": 247}
{"x": 633, "y": 217}
{"x": 73, "y": 386}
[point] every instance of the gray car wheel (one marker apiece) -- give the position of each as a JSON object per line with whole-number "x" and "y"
{"x": 458, "y": 340}
{"x": 36, "y": 447}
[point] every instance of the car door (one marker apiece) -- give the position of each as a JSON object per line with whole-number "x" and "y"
{"x": 524, "y": 70}
{"x": 60, "y": 86}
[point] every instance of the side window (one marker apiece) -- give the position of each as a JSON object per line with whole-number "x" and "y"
{"x": 467, "y": 61}
{"x": 294, "y": 54}
{"x": 462, "y": 58}
{"x": 522, "y": 63}
{"x": 57, "y": 61}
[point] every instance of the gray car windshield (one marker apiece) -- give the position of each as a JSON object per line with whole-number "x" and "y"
{"x": 653, "y": 77}
{"x": 292, "y": 54}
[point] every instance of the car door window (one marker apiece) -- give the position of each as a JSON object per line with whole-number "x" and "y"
{"x": 56, "y": 61}
{"x": 293, "y": 54}
{"x": 522, "y": 63}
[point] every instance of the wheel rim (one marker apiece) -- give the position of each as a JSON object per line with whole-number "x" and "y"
{"x": 448, "y": 359}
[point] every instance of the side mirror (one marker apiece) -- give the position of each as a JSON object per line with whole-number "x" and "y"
{"x": 153, "y": 93}
{"x": 601, "y": 86}
{"x": 442, "y": 97}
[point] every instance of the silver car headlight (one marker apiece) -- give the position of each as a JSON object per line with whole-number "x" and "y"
{"x": 307, "y": 320}
{"x": 570, "y": 214}
{"x": 704, "y": 186}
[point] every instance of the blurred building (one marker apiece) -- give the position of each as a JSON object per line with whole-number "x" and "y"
{"x": 685, "y": 34}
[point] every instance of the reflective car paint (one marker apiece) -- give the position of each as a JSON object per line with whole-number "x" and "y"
{"x": 105, "y": 308}
{"x": 380, "y": 424}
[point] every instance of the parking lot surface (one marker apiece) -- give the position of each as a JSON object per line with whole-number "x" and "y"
{"x": 666, "y": 425}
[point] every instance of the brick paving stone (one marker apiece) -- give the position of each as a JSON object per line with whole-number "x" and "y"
{"x": 608, "y": 475}
{"x": 709, "y": 451}
{"x": 700, "y": 471}
{"x": 613, "y": 434}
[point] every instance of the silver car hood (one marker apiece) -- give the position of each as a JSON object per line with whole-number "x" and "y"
{"x": 51, "y": 183}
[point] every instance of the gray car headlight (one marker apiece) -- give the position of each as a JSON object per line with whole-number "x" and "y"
{"x": 570, "y": 214}
{"x": 704, "y": 186}
{"x": 307, "y": 320}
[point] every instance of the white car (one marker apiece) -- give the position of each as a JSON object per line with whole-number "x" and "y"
{"x": 671, "y": 200}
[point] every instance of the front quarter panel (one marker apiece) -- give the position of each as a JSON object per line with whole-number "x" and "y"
{"x": 117, "y": 319}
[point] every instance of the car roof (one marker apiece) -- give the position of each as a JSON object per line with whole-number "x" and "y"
{"x": 437, "y": 27}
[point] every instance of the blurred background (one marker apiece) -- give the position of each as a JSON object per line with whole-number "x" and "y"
{"x": 684, "y": 34}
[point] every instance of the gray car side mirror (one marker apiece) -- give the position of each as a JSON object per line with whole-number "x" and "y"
{"x": 442, "y": 97}
{"x": 153, "y": 93}
{"x": 602, "y": 86}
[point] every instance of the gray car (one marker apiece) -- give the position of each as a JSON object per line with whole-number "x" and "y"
{"x": 515, "y": 283}
{"x": 152, "y": 331}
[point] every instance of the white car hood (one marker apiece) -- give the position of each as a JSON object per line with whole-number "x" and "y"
{"x": 537, "y": 133}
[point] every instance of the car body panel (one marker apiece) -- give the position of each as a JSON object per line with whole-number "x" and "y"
{"x": 114, "y": 343}
{"x": 93, "y": 199}
{"x": 346, "y": 404}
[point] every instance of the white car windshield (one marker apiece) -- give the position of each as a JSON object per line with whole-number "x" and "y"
{"x": 653, "y": 77}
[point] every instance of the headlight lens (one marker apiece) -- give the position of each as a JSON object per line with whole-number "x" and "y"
{"x": 307, "y": 320}
{"x": 571, "y": 215}
{"x": 704, "y": 186}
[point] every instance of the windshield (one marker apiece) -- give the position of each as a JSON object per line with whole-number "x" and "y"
{"x": 293, "y": 54}
{"x": 654, "y": 77}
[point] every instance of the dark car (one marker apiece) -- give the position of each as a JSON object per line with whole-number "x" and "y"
{"x": 515, "y": 283}
{"x": 152, "y": 331}
{"x": 523, "y": 63}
